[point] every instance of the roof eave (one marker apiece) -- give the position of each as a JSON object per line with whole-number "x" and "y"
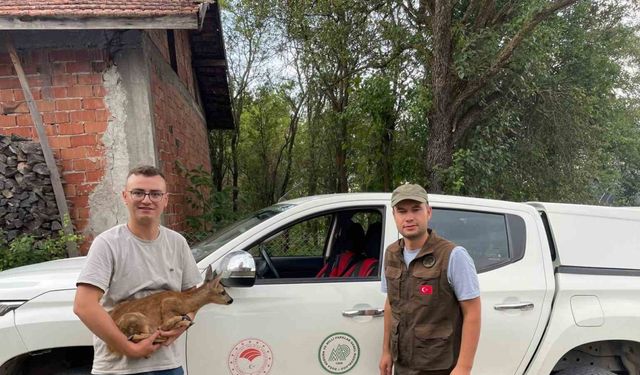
{"x": 184, "y": 21}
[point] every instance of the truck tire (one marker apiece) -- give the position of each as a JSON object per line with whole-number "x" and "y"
{"x": 587, "y": 370}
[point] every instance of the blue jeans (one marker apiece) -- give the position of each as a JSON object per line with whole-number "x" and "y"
{"x": 175, "y": 371}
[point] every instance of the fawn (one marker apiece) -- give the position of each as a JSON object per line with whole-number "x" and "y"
{"x": 167, "y": 310}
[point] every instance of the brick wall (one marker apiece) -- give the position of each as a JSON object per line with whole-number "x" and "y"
{"x": 183, "y": 54}
{"x": 68, "y": 88}
{"x": 159, "y": 39}
{"x": 180, "y": 134}
{"x": 183, "y": 59}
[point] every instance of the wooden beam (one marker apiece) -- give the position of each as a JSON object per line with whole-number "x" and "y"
{"x": 58, "y": 192}
{"x": 198, "y": 62}
{"x": 187, "y": 21}
{"x": 202, "y": 13}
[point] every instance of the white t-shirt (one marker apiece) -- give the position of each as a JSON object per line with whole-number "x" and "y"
{"x": 461, "y": 273}
{"x": 125, "y": 266}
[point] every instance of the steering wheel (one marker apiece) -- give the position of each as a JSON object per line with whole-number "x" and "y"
{"x": 267, "y": 260}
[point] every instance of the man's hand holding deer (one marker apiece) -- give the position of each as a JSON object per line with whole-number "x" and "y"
{"x": 173, "y": 335}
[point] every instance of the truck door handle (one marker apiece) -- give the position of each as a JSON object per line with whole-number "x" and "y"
{"x": 522, "y": 306}
{"x": 370, "y": 312}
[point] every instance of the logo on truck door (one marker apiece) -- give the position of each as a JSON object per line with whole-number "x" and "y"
{"x": 250, "y": 357}
{"x": 339, "y": 353}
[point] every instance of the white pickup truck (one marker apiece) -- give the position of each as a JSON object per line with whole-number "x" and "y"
{"x": 560, "y": 292}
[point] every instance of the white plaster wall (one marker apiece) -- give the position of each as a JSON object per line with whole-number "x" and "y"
{"x": 107, "y": 207}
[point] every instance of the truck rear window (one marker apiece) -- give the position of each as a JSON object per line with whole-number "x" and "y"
{"x": 492, "y": 239}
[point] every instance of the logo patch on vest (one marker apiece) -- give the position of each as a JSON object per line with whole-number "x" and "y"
{"x": 429, "y": 261}
{"x": 426, "y": 290}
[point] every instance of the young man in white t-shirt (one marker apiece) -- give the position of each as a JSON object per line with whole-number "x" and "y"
{"x": 131, "y": 261}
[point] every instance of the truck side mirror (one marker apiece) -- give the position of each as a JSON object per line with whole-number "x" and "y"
{"x": 238, "y": 269}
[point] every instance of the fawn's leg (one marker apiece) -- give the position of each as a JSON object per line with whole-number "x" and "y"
{"x": 173, "y": 315}
{"x": 135, "y": 326}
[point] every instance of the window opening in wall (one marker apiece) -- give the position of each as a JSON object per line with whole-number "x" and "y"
{"x": 171, "y": 41}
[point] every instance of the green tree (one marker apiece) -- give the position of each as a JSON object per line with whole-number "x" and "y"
{"x": 518, "y": 100}
{"x": 466, "y": 49}
{"x": 334, "y": 40}
{"x": 568, "y": 128}
{"x": 269, "y": 137}
{"x": 251, "y": 38}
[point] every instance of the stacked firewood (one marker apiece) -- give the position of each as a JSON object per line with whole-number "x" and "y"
{"x": 27, "y": 201}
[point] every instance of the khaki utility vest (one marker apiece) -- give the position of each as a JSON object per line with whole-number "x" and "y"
{"x": 426, "y": 318}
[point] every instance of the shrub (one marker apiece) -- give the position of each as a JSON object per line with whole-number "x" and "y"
{"x": 26, "y": 249}
{"x": 214, "y": 208}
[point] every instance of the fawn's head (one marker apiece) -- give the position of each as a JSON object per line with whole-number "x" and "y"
{"x": 215, "y": 289}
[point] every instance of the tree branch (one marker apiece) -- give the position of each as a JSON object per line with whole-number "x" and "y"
{"x": 507, "y": 51}
{"x": 503, "y": 14}
{"x": 411, "y": 11}
{"x": 472, "y": 8}
{"x": 504, "y": 56}
{"x": 425, "y": 12}
{"x": 466, "y": 119}
{"x": 485, "y": 12}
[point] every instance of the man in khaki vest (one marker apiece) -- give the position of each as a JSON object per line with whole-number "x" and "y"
{"x": 432, "y": 312}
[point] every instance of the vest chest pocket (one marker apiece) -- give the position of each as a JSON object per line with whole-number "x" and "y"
{"x": 425, "y": 285}
{"x": 393, "y": 280}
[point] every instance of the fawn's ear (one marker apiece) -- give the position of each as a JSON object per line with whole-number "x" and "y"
{"x": 210, "y": 274}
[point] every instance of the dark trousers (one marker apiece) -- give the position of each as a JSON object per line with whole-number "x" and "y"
{"x": 175, "y": 371}
{"x": 401, "y": 370}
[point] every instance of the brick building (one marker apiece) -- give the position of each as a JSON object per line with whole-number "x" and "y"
{"x": 118, "y": 83}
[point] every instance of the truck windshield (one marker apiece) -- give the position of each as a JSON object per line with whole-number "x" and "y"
{"x": 224, "y": 235}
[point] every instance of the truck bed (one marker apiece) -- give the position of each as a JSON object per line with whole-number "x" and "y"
{"x": 583, "y": 236}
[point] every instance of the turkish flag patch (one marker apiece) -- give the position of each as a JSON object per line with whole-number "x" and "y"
{"x": 426, "y": 290}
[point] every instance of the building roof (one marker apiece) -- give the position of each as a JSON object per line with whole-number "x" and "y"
{"x": 201, "y": 16}
{"x": 100, "y": 14}
{"x": 98, "y": 8}
{"x": 210, "y": 64}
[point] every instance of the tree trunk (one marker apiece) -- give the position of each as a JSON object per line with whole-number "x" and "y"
{"x": 439, "y": 153}
{"x": 234, "y": 167}
{"x": 341, "y": 157}
{"x": 313, "y": 108}
{"x": 217, "y": 147}
{"x": 454, "y": 112}
{"x": 293, "y": 129}
{"x": 387, "y": 153}
{"x": 439, "y": 146}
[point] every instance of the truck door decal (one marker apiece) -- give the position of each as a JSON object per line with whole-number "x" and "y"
{"x": 250, "y": 357}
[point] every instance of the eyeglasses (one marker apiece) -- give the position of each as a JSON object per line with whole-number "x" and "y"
{"x": 139, "y": 195}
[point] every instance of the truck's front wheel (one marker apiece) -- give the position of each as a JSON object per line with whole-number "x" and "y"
{"x": 58, "y": 361}
{"x": 587, "y": 370}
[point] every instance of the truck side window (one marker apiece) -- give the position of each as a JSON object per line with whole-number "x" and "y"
{"x": 492, "y": 239}
{"x": 303, "y": 239}
{"x": 311, "y": 248}
{"x": 295, "y": 251}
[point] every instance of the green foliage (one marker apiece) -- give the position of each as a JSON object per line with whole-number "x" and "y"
{"x": 564, "y": 134}
{"x": 564, "y": 125}
{"x": 213, "y": 208}
{"x": 264, "y": 124}
{"x": 26, "y": 249}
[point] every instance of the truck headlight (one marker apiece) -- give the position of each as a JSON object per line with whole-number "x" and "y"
{"x": 6, "y": 306}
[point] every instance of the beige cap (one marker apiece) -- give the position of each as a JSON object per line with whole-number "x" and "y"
{"x": 413, "y": 192}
